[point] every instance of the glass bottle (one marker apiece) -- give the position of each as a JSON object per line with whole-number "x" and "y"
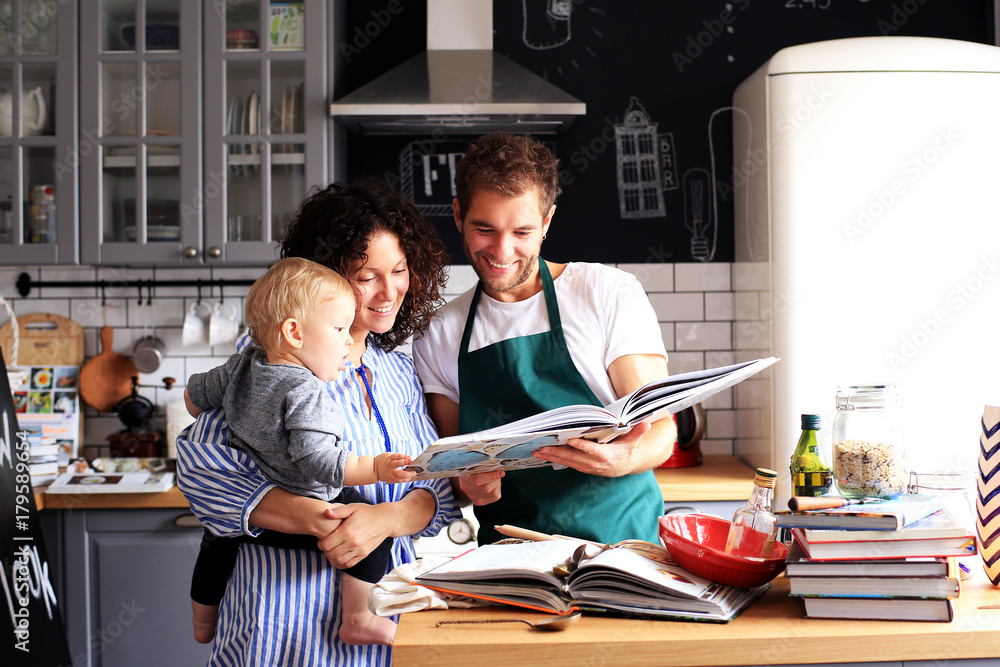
{"x": 753, "y": 529}
{"x": 868, "y": 455}
{"x": 811, "y": 475}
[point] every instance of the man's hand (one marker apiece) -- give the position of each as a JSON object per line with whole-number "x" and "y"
{"x": 610, "y": 459}
{"x": 482, "y": 488}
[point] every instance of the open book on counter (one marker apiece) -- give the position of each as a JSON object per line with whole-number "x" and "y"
{"x": 632, "y": 578}
{"x": 509, "y": 447}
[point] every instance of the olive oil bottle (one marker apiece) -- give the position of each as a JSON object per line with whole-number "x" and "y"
{"x": 811, "y": 475}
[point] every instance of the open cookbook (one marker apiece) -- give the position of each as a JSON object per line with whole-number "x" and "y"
{"x": 509, "y": 447}
{"x": 632, "y": 578}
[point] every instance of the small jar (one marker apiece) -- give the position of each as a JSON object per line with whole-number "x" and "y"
{"x": 868, "y": 454}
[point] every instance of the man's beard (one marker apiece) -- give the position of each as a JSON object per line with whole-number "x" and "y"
{"x": 490, "y": 282}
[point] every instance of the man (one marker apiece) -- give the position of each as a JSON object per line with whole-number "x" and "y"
{"x": 534, "y": 335}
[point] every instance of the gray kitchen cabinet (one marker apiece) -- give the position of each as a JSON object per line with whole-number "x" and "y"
{"x": 38, "y": 130}
{"x": 140, "y": 115}
{"x": 127, "y": 575}
{"x": 265, "y": 123}
{"x": 206, "y": 135}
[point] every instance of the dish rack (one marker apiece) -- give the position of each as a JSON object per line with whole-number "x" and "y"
{"x": 15, "y": 375}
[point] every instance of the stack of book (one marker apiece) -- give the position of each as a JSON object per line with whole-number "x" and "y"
{"x": 43, "y": 458}
{"x": 889, "y": 560}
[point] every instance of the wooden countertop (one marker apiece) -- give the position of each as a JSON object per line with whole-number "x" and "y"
{"x": 172, "y": 498}
{"x": 773, "y": 630}
{"x": 718, "y": 478}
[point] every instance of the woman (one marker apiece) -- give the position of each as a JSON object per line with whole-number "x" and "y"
{"x": 281, "y": 604}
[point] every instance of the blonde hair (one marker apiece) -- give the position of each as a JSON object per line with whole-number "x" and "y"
{"x": 291, "y": 288}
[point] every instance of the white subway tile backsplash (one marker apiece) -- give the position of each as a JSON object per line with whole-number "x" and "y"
{"x": 667, "y": 332}
{"x": 704, "y": 335}
{"x": 654, "y": 277}
{"x": 91, "y": 313}
{"x": 716, "y": 447}
{"x": 201, "y": 365}
{"x": 719, "y": 306}
{"x": 678, "y": 307}
{"x": 75, "y": 274}
{"x": 721, "y": 424}
{"x": 702, "y": 277}
{"x": 461, "y": 277}
{"x": 247, "y": 273}
{"x": 29, "y": 305}
{"x": 746, "y": 305}
{"x": 183, "y": 274}
{"x": 685, "y": 362}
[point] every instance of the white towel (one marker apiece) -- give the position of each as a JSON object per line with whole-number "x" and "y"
{"x": 398, "y": 592}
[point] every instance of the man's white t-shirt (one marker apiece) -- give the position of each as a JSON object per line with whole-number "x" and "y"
{"x": 605, "y": 315}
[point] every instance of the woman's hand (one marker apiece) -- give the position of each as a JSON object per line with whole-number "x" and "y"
{"x": 482, "y": 488}
{"x": 361, "y": 528}
{"x": 610, "y": 459}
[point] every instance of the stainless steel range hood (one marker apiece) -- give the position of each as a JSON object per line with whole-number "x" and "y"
{"x": 458, "y": 86}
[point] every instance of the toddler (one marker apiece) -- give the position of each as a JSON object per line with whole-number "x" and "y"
{"x": 279, "y": 412}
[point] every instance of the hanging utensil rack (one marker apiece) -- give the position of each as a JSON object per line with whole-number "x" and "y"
{"x": 25, "y": 284}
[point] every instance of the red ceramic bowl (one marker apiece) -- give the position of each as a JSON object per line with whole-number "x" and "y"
{"x": 698, "y": 544}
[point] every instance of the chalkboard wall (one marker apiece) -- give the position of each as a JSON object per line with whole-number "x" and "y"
{"x": 665, "y": 69}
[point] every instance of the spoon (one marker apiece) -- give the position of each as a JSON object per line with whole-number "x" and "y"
{"x": 560, "y": 622}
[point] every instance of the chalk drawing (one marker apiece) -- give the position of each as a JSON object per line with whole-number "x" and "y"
{"x": 546, "y": 23}
{"x": 639, "y": 160}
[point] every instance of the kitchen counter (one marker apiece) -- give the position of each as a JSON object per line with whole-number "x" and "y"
{"x": 172, "y": 498}
{"x": 773, "y": 630}
{"x": 720, "y": 477}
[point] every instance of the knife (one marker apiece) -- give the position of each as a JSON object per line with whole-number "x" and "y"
{"x": 807, "y": 503}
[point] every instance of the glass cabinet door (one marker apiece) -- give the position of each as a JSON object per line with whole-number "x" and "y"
{"x": 38, "y": 151}
{"x": 140, "y": 112}
{"x": 265, "y": 127}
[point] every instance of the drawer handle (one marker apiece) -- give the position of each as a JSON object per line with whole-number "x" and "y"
{"x": 187, "y": 521}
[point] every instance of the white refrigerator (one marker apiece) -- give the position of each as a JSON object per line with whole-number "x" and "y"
{"x": 866, "y": 184}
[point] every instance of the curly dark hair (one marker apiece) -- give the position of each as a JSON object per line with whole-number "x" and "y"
{"x": 508, "y": 165}
{"x": 334, "y": 226}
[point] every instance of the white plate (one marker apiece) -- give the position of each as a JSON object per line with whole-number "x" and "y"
{"x": 297, "y": 119}
{"x": 254, "y": 126}
{"x": 286, "y": 111}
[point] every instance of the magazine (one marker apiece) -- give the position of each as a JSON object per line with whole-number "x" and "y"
{"x": 562, "y": 575}
{"x": 509, "y": 447}
{"x": 143, "y": 481}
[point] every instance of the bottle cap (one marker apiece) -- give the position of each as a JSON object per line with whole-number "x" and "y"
{"x": 810, "y": 422}
{"x": 765, "y": 478}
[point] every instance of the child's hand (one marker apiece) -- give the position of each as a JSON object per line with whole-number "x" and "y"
{"x": 389, "y": 468}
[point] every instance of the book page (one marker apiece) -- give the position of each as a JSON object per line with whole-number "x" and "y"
{"x": 509, "y": 447}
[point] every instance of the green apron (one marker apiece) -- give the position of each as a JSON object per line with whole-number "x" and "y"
{"x": 520, "y": 377}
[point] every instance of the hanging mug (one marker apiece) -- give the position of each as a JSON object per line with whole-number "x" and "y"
{"x": 196, "y": 323}
{"x": 224, "y": 325}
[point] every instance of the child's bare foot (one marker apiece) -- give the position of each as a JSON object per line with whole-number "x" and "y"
{"x": 366, "y": 628}
{"x": 204, "y": 618}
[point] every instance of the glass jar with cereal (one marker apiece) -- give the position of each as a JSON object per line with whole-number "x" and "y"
{"x": 868, "y": 454}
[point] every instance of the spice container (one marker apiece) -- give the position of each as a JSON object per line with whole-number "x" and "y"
{"x": 868, "y": 455}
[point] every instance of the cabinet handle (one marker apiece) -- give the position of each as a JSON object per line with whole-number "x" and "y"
{"x": 214, "y": 252}
{"x": 187, "y": 521}
{"x": 190, "y": 253}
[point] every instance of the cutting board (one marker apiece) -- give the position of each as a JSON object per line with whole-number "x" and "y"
{"x": 106, "y": 378}
{"x": 47, "y": 339}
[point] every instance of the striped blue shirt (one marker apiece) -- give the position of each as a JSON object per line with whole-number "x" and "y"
{"x": 281, "y": 605}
